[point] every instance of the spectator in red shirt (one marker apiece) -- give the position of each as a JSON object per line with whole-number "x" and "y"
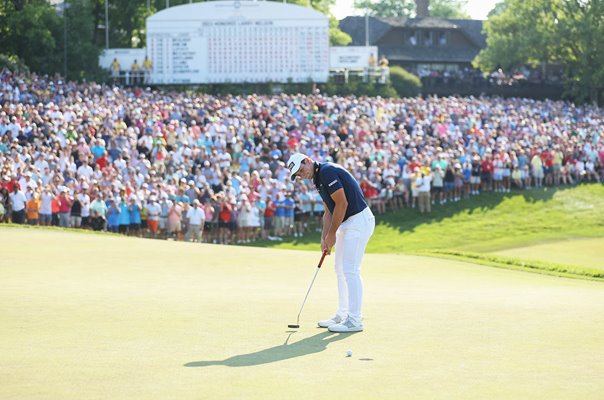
{"x": 487, "y": 173}
{"x": 65, "y": 202}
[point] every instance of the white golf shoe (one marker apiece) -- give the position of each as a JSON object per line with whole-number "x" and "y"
{"x": 329, "y": 322}
{"x": 346, "y": 326}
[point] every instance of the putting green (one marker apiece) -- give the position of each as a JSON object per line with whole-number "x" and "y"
{"x": 101, "y": 317}
{"x": 579, "y": 252}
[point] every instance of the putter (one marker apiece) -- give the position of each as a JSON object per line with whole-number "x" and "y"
{"x": 297, "y": 325}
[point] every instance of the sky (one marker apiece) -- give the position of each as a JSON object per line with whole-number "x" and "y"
{"x": 478, "y": 9}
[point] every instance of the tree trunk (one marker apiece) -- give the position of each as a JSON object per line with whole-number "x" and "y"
{"x": 421, "y": 8}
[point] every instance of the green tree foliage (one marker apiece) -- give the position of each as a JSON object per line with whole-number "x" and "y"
{"x": 449, "y": 9}
{"x": 82, "y": 52}
{"x": 32, "y": 31}
{"x": 406, "y": 8}
{"x": 405, "y": 83}
{"x": 386, "y": 8}
{"x": 536, "y": 32}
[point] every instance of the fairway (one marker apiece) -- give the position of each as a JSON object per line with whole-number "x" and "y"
{"x": 87, "y": 316}
{"x": 580, "y": 252}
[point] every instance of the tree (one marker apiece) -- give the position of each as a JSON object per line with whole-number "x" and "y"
{"x": 386, "y": 8}
{"x": 406, "y": 8}
{"x": 82, "y": 52}
{"x": 30, "y": 30}
{"x": 449, "y": 9}
{"x": 540, "y": 32}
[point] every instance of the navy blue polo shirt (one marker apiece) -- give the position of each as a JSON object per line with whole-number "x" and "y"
{"x": 330, "y": 177}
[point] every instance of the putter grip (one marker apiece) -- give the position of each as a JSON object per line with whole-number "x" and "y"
{"x": 322, "y": 258}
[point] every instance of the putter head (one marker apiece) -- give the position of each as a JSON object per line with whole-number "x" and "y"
{"x": 293, "y": 326}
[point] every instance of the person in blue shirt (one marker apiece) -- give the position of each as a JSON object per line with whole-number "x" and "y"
{"x": 279, "y": 218}
{"x": 113, "y": 214}
{"x": 348, "y": 224}
{"x": 290, "y": 205}
{"x": 135, "y": 218}
{"x": 124, "y": 218}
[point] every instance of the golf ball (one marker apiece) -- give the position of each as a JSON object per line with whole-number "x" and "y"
{"x": 348, "y": 353}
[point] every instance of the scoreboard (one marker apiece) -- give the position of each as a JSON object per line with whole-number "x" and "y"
{"x": 232, "y": 41}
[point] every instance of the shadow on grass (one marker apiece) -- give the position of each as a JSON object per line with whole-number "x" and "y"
{"x": 407, "y": 219}
{"x": 311, "y": 345}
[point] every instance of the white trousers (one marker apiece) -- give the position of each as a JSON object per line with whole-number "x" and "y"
{"x": 351, "y": 240}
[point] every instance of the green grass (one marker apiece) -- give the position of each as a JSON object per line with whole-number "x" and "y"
{"x": 106, "y": 317}
{"x": 586, "y": 253}
{"x": 489, "y": 223}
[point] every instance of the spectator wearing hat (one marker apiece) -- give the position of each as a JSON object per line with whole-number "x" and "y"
{"x": 196, "y": 218}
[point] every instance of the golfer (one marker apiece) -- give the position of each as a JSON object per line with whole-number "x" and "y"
{"x": 348, "y": 224}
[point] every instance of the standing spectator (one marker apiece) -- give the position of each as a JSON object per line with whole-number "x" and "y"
{"x": 196, "y": 217}
{"x": 65, "y": 202}
{"x": 423, "y": 188}
{"x": 537, "y": 164}
{"x": 115, "y": 70}
{"x": 163, "y": 216}
{"x": 290, "y": 206}
{"x": 84, "y": 200}
{"x": 487, "y": 173}
{"x": 153, "y": 211}
{"x": 210, "y": 225}
{"x": 17, "y": 205}
{"x": 174, "y": 221}
{"x": 76, "y": 213}
{"x": 475, "y": 179}
{"x": 437, "y": 185}
{"x": 225, "y": 216}
{"x": 134, "y": 217}
{"x": 46, "y": 206}
{"x": 113, "y": 216}
{"x": 33, "y": 209}
{"x": 98, "y": 212}
{"x": 124, "y": 218}
{"x": 279, "y": 218}
{"x": 147, "y": 68}
{"x": 269, "y": 219}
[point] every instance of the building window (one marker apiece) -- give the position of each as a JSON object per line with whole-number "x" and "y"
{"x": 427, "y": 38}
{"x": 442, "y": 38}
{"x": 412, "y": 38}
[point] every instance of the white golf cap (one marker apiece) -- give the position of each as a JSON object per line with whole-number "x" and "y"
{"x": 294, "y": 163}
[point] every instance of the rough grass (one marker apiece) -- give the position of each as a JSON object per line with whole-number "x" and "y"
{"x": 488, "y": 223}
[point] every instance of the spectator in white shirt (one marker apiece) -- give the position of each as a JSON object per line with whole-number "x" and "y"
{"x": 46, "y": 207}
{"x": 423, "y": 187}
{"x": 85, "y": 170}
{"x": 196, "y": 217}
{"x": 84, "y": 199}
{"x": 17, "y": 201}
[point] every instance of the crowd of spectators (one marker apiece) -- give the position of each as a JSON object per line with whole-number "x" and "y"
{"x": 198, "y": 167}
{"x": 470, "y": 76}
